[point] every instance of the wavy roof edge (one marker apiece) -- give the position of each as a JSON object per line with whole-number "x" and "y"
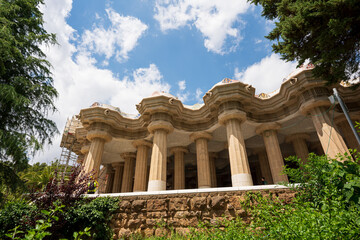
{"x": 291, "y": 77}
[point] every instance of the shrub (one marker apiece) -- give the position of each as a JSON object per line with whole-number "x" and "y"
{"x": 17, "y": 213}
{"x": 71, "y": 215}
{"x": 95, "y": 214}
{"x": 326, "y": 206}
{"x": 67, "y": 192}
{"x": 322, "y": 179}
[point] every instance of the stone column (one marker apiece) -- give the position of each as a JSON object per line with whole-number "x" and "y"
{"x": 202, "y": 156}
{"x": 212, "y": 157}
{"x": 109, "y": 178}
{"x": 85, "y": 150}
{"x": 276, "y": 161}
{"x": 128, "y": 175}
{"x": 264, "y": 166}
{"x": 140, "y": 182}
{"x": 179, "y": 167}
{"x": 117, "y": 177}
{"x": 299, "y": 143}
{"x": 330, "y": 138}
{"x": 239, "y": 164}
{"x": 98, "y": 138}
{"x": 347, "y": 133}
{"x": 157, "y": 176}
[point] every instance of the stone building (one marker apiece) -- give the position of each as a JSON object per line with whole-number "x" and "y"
{"x": 233, "y": 139}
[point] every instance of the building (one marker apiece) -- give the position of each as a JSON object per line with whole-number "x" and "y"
{"x": 233, "y": 139}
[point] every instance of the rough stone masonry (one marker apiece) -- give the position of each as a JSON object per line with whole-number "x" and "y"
{"x": 156, "y": 215}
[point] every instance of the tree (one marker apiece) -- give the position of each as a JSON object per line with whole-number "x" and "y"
{"x": 37, "y": 176}
{"x": 325, "y": 32}
{"x": 26, "y": 87}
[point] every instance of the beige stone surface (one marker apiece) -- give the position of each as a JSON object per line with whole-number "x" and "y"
{"x": 110, "y": 173}
{"x": 140, "y": 180}
{"x": 202, "y": 157}
{"x": 233, "y": 114}
{"x": 160, "y": 214}
{"x": 157, "y": 176}
{"x": 276, "y": 161}
{"x": 129, "y": 169}
{"x": 347, "y": 133}
{"x": 265, "y": 167}
{"x": 179, "y": 167}
{"x": 212, "y": 157}
{"x": 239, "y": 164}
{"x": 94, "y": 156}
{"x": 330, "y": 138}
{"x": 299, "y": 143}
{"x": 118, "y": 176}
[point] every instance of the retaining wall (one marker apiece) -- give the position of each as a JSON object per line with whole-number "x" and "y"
{"x": 157, "y": 212}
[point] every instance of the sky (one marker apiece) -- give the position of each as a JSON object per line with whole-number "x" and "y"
{"x": 118, "y": 52}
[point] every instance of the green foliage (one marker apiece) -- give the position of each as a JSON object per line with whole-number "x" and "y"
{"x": 42, "y": 227}
{"x": 26, "y": 87}
{"x": 326, "y": 206}
{"x": 15, "y": 214}
{"x": 322, "y": 180}
{"x": 87, "y": 219}
{"x": 37, "y": 176}
{"x": 95, "y": 214}
{"x": 326, "y": 32}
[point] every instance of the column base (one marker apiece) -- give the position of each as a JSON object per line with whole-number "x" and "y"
{"x": 205, "y": 187}
{"x": 241, "y": 179}
{"x": 156, "y": 185}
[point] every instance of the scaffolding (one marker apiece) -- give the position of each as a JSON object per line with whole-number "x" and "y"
{"x": 68, "y": 158}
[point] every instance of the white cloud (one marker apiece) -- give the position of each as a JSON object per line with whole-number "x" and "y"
{"x": 117, "y": 40}
{"x": 182, "y": 85}
{"x": 80, "y": 83}
{"x": 198, "y": 95}
{"x": 215, "y": 19}
{"x": 183, "y": 97}
{"x": 266, "y": 75}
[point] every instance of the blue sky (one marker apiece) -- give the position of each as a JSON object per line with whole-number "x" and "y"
{"x": 118, "y": 52}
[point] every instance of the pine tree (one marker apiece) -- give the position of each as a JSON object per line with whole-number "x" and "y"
{"x": 325, "y": 32}
{"x": 26, "y": 87}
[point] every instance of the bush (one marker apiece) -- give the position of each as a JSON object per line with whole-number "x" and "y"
{"x": 322, "y": 179}
{"x": 95, "y": 214}
{"x": 326, "y": 206}
{"x": 60, "y": 210}
{"x": 17, "y": 213}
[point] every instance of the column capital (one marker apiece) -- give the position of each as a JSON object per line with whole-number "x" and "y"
{"x": 99, "y": 130}
{"x": 116, "y": 164}
{"x": 295, "y": 136}
{"x": 128, "y": 155}
{"x": 92, "y": 134}
{"x": 231, "y": 114}
{"x": 160, "y": 124}
{"x": 309, "y": 105}
{"x": 85, "y": 149}
{"x": 178, "y": 149}
{"x": 198, "y": 135}
{"x": 266, "y": 127}
{"x": 142, "y": 142}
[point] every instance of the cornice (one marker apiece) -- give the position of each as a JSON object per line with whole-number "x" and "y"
{"x": 292, "y": 98}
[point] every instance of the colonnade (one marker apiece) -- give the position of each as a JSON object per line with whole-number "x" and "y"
{"x": 120, "y": 175}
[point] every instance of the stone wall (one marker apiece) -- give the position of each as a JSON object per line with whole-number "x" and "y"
{"x": 156, "y": 214}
